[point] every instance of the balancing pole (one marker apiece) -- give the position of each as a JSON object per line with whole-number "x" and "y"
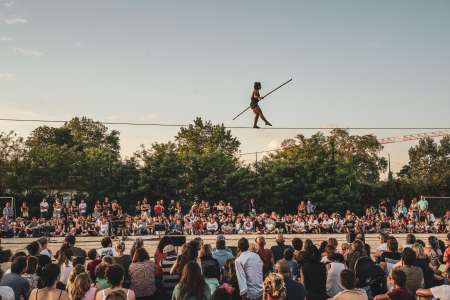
{"x": 280, "y": 86}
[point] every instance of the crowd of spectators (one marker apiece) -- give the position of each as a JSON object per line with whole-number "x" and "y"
{"x": 295, "y": 271}
{"x": 108, "y": 218}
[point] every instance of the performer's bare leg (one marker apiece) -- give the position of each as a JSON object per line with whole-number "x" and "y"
{"x": 262, "y": 117}
{"x": 255, "y": 122}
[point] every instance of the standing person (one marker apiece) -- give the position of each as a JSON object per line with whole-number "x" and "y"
{"x": 221, "y": 253}
{"x": 255, "y": 98}
{"x": 230, "y": 279}
{"x": 43, "y": 242}
{"x": 249, "y": 271}
{"x": 64, "y": 260}
{"x": 399, "y": 292}
{"x": 8, "y": 211}
{"x": 82, "y": 207}
{"x": 14, "y": 279}
{"x": 70, "y": 240}
{"x": 350, "y": 292}
{"x": 142, "y": 274}
{"x": 169, "y": 280}
{"x": 252, "y": 207}
{"x": 334, "y": 279}
{"x": 30, "y": 273}
{"x": 94, "y": 261}
{"x": 278, "y": 249}
{"x": 43, "y": 206}
{"x": 294, "y": 289}
{"x": 208, "y": 261}
{"x": 288, "y": 256}
{"x": 115, "y": 276}
{"x": 313, "y": 275}
{"x": 159, "y": 254}
{"x": 49, "y": 280}
{"x": 123, "y": 259}
{"x": 25, "y": 210}
{"x": 192, "y": 285}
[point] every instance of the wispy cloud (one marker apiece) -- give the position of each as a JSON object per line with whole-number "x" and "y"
{"x": 5, "y": 39}
{"x": 28, "y": 52}
{"x": 8, "y": 4}
{"x": 14, "y": 21}
{"x": 7, "y": 77}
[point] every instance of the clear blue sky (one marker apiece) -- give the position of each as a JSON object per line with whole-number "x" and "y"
{"x": 354, "y": 63}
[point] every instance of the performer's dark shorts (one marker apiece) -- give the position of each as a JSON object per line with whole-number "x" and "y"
{"x": 253, "y": 104}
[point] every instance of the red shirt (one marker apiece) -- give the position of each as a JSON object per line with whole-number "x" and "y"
{"x": 198, "y": 225}
{"x": 158, "y": 210}
{"x": 159, "y": 257}
{"x": 447, "y": 257}
{"x": 266, "y": 256}
{"x": 91, "y": 268}
{"x": 400, "y": 294}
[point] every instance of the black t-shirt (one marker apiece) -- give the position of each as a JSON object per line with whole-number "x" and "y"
{"x": 390, "y": 256}
{"x": 315, "y": 276}
{"x": 278, "y": 251}
{"x": 350, "y": 225}
{"x": 294, "y": 289}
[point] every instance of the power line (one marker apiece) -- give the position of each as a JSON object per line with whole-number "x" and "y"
{"x": 230, "y": 127}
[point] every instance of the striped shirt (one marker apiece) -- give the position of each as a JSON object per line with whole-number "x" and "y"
{"x": 169, "y": 281}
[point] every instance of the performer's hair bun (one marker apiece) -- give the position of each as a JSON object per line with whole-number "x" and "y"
{"x": 257, "y": 85}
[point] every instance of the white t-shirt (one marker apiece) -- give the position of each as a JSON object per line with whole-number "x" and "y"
{"x": 44, "y": 206}
{"x": 6, "y": 293}
{"x": 441, "y": 292}
{"x": 333, "y": 284}
{"x": 212, "y": 226}
{"x": 108, "y": 251}
{"x": 382, "y": 247}
{"x": 82, "y": 206}
{"x": 46, "y": 252}
{"x": 65, "y": 272}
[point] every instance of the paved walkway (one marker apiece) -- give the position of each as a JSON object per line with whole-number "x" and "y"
{"x": 151, "y": 242}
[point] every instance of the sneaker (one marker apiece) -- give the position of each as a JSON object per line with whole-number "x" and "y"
{"x": 255, "y": 126}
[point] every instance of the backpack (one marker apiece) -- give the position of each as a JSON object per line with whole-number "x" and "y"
{"x": 370, "y": 277}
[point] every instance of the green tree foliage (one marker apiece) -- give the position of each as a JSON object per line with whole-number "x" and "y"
{"x": 328, "y": 170}
{"x": 12, "y": 153}
{"x": 336, "y": 171}
{"x": 428, "y": 170}
{"x": 162, "y": 171}
{"x": 204, "y": 137}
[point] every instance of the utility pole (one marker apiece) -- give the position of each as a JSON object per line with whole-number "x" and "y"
{"x": 390, "y": 177}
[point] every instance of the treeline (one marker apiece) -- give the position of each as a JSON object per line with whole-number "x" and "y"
{"x": 338, "y": 171}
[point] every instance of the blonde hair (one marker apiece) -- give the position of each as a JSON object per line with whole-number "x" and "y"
{"x": 80, "y": 286}
{"x": 120, "y": 246}
{"x": 274, "y": 286}
{"x": 77, "y": 270}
